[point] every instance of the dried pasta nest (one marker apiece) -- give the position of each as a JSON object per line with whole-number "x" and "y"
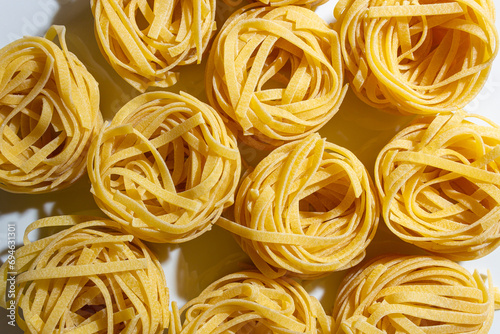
{"x": 49, "y": 112}
{"x": 413, "y": 294}
{"x": 145, "y": 40}
{"x": 306, "y": 3}
{"x": 420, "y": 57}
{"x": 165, "y": 168}
{"x": 249, "y": 302}
{"x": 439, "y": 184}
{"x": 309, "y": 208}
{"x": 275, "y": 73}
{"x": 88, "y": 278}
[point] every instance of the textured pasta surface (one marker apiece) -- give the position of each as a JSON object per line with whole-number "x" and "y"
{"x": 275, "y": 73}
{"x": 309, "y": 208}
{"x": 414, "y": 295}
{"x": 49, "y": 112}
{"x": 87, "y": 278}
{"x": 312, "y": 4}
{"x": 145, "y": 40}
{"x": 439, "y": 184}
{"x": 249, "y": 302}
{"x": 421, "y": 57}
{"x": 165, "y": 168}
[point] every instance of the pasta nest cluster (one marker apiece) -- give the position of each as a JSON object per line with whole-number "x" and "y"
{"x": 309, "y": 208}
{"x": 275, "y": 73}
{"x": 413, "y": 294}
{"x": 88, "y": 278}
{"x": 439, "y": 184}
{"x": 249, "y": 302}
{"x": 165, "y": 168}
{"x": 145, "y": 40}
{"x": 422, "y": 57}
{"x": 49, "y": 112}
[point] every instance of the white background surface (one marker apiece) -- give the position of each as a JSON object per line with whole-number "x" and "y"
{"x": 190, "y": 267}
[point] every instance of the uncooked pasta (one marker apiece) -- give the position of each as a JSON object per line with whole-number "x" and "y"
{"x": 309, "y": 208}
{"x": 275, "y": 73}
{"x": 49, "y": 112}
{"x": 414, "y": 295}
{"x": 421, "y": 57}
{"x": 439, "y": 184}
{"x": 249, "y": 302}
{"x": 145, "y": 40}
{"x": 312, "y": 4}
{"x": 165, "y": 168}
{"x": 89, "y": 278}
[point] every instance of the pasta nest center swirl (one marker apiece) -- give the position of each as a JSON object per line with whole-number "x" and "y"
{"x": 165, "y": 168}
{"x": 413, "y": 294}
{"x": 275, "y": 73}
{"x": 438, "y": 180}
{"x": 49, "y": 112}
{"x": 307, "y": 209}
{"x": 249, "y": 302}
{"x": 421, "y": 57}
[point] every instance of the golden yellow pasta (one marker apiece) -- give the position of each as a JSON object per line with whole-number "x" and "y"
{"x": 307, "y": 3}
{"x": 275, "y": 74}
{"x": 165, "y": 168}
{"x": 413, "y": 295}
{"x": 49, "y": 112}
{"x": 422, "y": 57}
{"x": 439, "y": 184}
{"x": 88, "y": 278}
{"x": 145, "y": 40}
{"x": 309, "y": 208}
{"x": 249, "y": 302}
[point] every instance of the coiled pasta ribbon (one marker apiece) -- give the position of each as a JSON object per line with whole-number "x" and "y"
{"x": 275, "y": 73}
{"x": 145, "y": 40}
{"x": 88, "y": 278}
{"x": 413, "y": 294}
{"x": 165, "y": 168}
{"x": 306, "y": 3}
{"x": 439, "y": 184}
{"x": 249, "y": 302}
{"x": 309, "y": 208}
{"x": 49, "y": 111}
{"x": 421, "y": 57}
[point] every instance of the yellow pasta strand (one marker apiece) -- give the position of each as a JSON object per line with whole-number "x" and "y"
{"x": 145, "y": 40}
{"x": 88, "y": 278}
{"x": 275, "y": 74}
{"x": 413, "y": 295}
{"x": 312, "y": 4}
{"x": 165, "y": 168}
{"x": 249, "y": 302}
{"x": 309, "y": 208}
{"x": 439, "y": 183}
{"x": 417, "y": 57}
{"x": 49, "y": 112}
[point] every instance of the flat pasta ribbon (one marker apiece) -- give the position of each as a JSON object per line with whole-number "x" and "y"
{"x": 413, "y": 295}
{"x": 312, "y": 4}
{"x": 439, "y": 184}
{"x": 417, "y": 57}
{"x": 88, "y": 278}
{"x": 165, "y": 168}
{"x": 49, "y": 112}
{"x": 145, "y": 40}
{"x": 249, "y": 302}
{"x": 309, "y": 208}
{"x": 275, "y": 73}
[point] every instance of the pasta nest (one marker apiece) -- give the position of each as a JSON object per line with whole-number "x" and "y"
{"x": 49, "y": 111}
{"x": 309, "y": 208}
{"x": 249, "y": 302}
{"x": 417, "y": 57}
{"x": 88, "y": 278}
{"x": 439, "y": 182}
{"x": 312, "y": 4}
{"x": 145, "y": 40}
{"x": 413, "y": 294}
{"x": 276, "y": 74}
{"x": 165, "y": 168}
